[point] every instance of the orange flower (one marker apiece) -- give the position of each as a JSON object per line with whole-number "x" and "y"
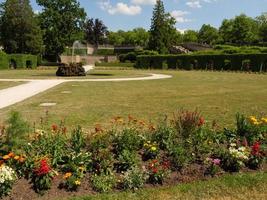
{"x": 6, "y": 157}
{"x": 11, "y": 155}
{"x": 22, "y": 159}
{"x": 1, "y": 162}
{"x": 67, "y": 175}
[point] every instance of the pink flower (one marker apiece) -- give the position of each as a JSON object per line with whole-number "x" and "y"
{"x": 216, "y": 161}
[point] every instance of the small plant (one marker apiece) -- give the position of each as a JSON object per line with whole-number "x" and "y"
{"x": 151, "y": 150}
{"x": 213, "y": 166}
{"x": 103, "y": 182}
{"x": 158, "y": 171}
{"x": 179, "y": 157}
{"x": 42, "y": 176}
{"x": 77, "y": 140}
{"x": 16, "y": 130}
{"x": 73, "y": 179}
{"x": 7, "y": 179}
{"x": 134, "y": 179}
{"x": 126, "y": 160}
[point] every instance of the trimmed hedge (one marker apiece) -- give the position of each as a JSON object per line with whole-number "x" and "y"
{"x": 4, "y": 62}
{"x": 104, "y": 52}
{"x": 21, "y": 61}
{"x": 105, "y": 64}
{"x": 233, "y": 62}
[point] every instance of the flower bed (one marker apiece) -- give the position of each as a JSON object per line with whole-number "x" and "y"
{"x": 131, "y": 153}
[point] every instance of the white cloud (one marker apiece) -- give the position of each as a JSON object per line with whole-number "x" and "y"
{"x": 194, "y": 4}
{"x": 143, "y": 2}
{"x": 120, "y": 8}
{"x": 179, "y": 15}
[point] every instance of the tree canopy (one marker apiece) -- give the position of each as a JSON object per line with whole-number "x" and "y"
{"x": 208, "y": 34}
{"x": 20, "y": 32}
{"x": 62, "y": 22}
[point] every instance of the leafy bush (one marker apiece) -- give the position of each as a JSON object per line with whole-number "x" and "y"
{"x": 134, "y": 179}
{"x": 126, "y": 160}
{"x": 16, "y": 131}
{"x": 103, "y": 183}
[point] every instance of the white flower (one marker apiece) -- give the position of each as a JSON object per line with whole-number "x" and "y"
{"x": 7, "y": 174}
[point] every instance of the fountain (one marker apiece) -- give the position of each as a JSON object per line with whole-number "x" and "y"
{"x": 74, "y": 68}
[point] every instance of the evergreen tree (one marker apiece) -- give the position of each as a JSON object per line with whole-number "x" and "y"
{"x": 162, "y": 31}
{"x": 20, "y": 32}
{"x": 62, "y": 22}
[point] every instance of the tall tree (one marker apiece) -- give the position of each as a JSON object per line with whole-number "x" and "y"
{"x": 208, "y": 34}
{"x": 20, "y": 32}
{"x": 190, "y": 36}
{"x": 162, "y": 30}
{"x": 62, "y": 22}
{"x": 262, "y": 23}
{"x": 95, "y": 31}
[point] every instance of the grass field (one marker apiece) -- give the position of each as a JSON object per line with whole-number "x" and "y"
{"x": 229, "y": 187}
{"x": 50, "y": 74}
{"x": 4, "y": 85}
{"x": 218, "y": 95}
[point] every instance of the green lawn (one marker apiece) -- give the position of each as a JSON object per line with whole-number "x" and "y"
{"x": 219, "y": 95}
{"x": 50, "y": 74}
{"x": 232, "y": 187}
{"x": 4, "y": 85}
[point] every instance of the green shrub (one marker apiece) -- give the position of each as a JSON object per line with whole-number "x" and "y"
{"x": 104, "y": 52}
{"x": 114, "y": 64}
{"x": 103, "y": 182}
{"x": 134, "y": 179}
{"x": 126, "y": 160}
{"x": 16, "y": 131}
{"x": 4, "y": 62}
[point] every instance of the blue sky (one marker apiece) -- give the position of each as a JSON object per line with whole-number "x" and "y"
{"x": 190, "y": 14}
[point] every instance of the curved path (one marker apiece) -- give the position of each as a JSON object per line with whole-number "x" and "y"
{"x": 13, "y": 95}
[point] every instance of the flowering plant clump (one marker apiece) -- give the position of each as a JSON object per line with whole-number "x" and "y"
{"x": 256, "y": 157}
{"x": 17, "y": 162}
{"x": 158, "y": 171}
{"x": 42, "y": 176}
{"x": 240, "y": 155}
{"x": 72, "y": 180}
{"x": 213, "y": 166}
{"x": 7, "y": 179}
{"x": 151, "y": 150}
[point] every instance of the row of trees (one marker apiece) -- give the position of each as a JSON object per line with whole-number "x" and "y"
{"x": 62, "y": 22}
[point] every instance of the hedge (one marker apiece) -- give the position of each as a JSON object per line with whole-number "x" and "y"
{"x": 21, "y": 61}
{"x": 105, "y": 64}
{"x": 104, "y": 52}
{"x": 4, "y": 62}
{"x": 234, "y": 62}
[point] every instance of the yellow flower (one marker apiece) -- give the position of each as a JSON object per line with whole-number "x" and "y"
{"x": 77, "y": 182}
{"x": 81, "y": 169}
{"x": 264, "y": 120}
{"x": 16, "y": 158}
{"x": 256, "y": 123}
{"x": 153, "y": 148}
{"x": 67, "y": 175}
{"x": 253, "y": 119}
{"x": 6, "y": 157}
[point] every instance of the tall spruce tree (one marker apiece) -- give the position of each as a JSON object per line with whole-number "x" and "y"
{"x": 162, "y": 30}
{"x": 20, "y": 32}
{"x": 62, "y": 22}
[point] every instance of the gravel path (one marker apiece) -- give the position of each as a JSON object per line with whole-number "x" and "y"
{"x": 13, "y": 95}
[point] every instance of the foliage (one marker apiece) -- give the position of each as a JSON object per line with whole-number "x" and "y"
{"x": 95, "y": 31}
{"x": 115, "y": 64}
{"x": 73, "y": 179}
{"x": 213, "y": 166}
{"x": 125, "y": 160}
{"x": 20, "y": 32}
{"x": 103, "y": 182}
{"x": 208, "y": 34}
{"x": 16, "y": 131}
{"x": 62, "y": 23}
{"x": 151, "y": 150}
{"x": 134, "y": 179}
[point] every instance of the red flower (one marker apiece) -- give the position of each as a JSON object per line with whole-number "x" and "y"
{"x": 155, "y": 170}
{"x": 43, "y": 168}
{"x": 201, "y": 121}
{"x": 54, "y": 127}
{"x": 166, "y": 165}
{"x": 256, "y": 149}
